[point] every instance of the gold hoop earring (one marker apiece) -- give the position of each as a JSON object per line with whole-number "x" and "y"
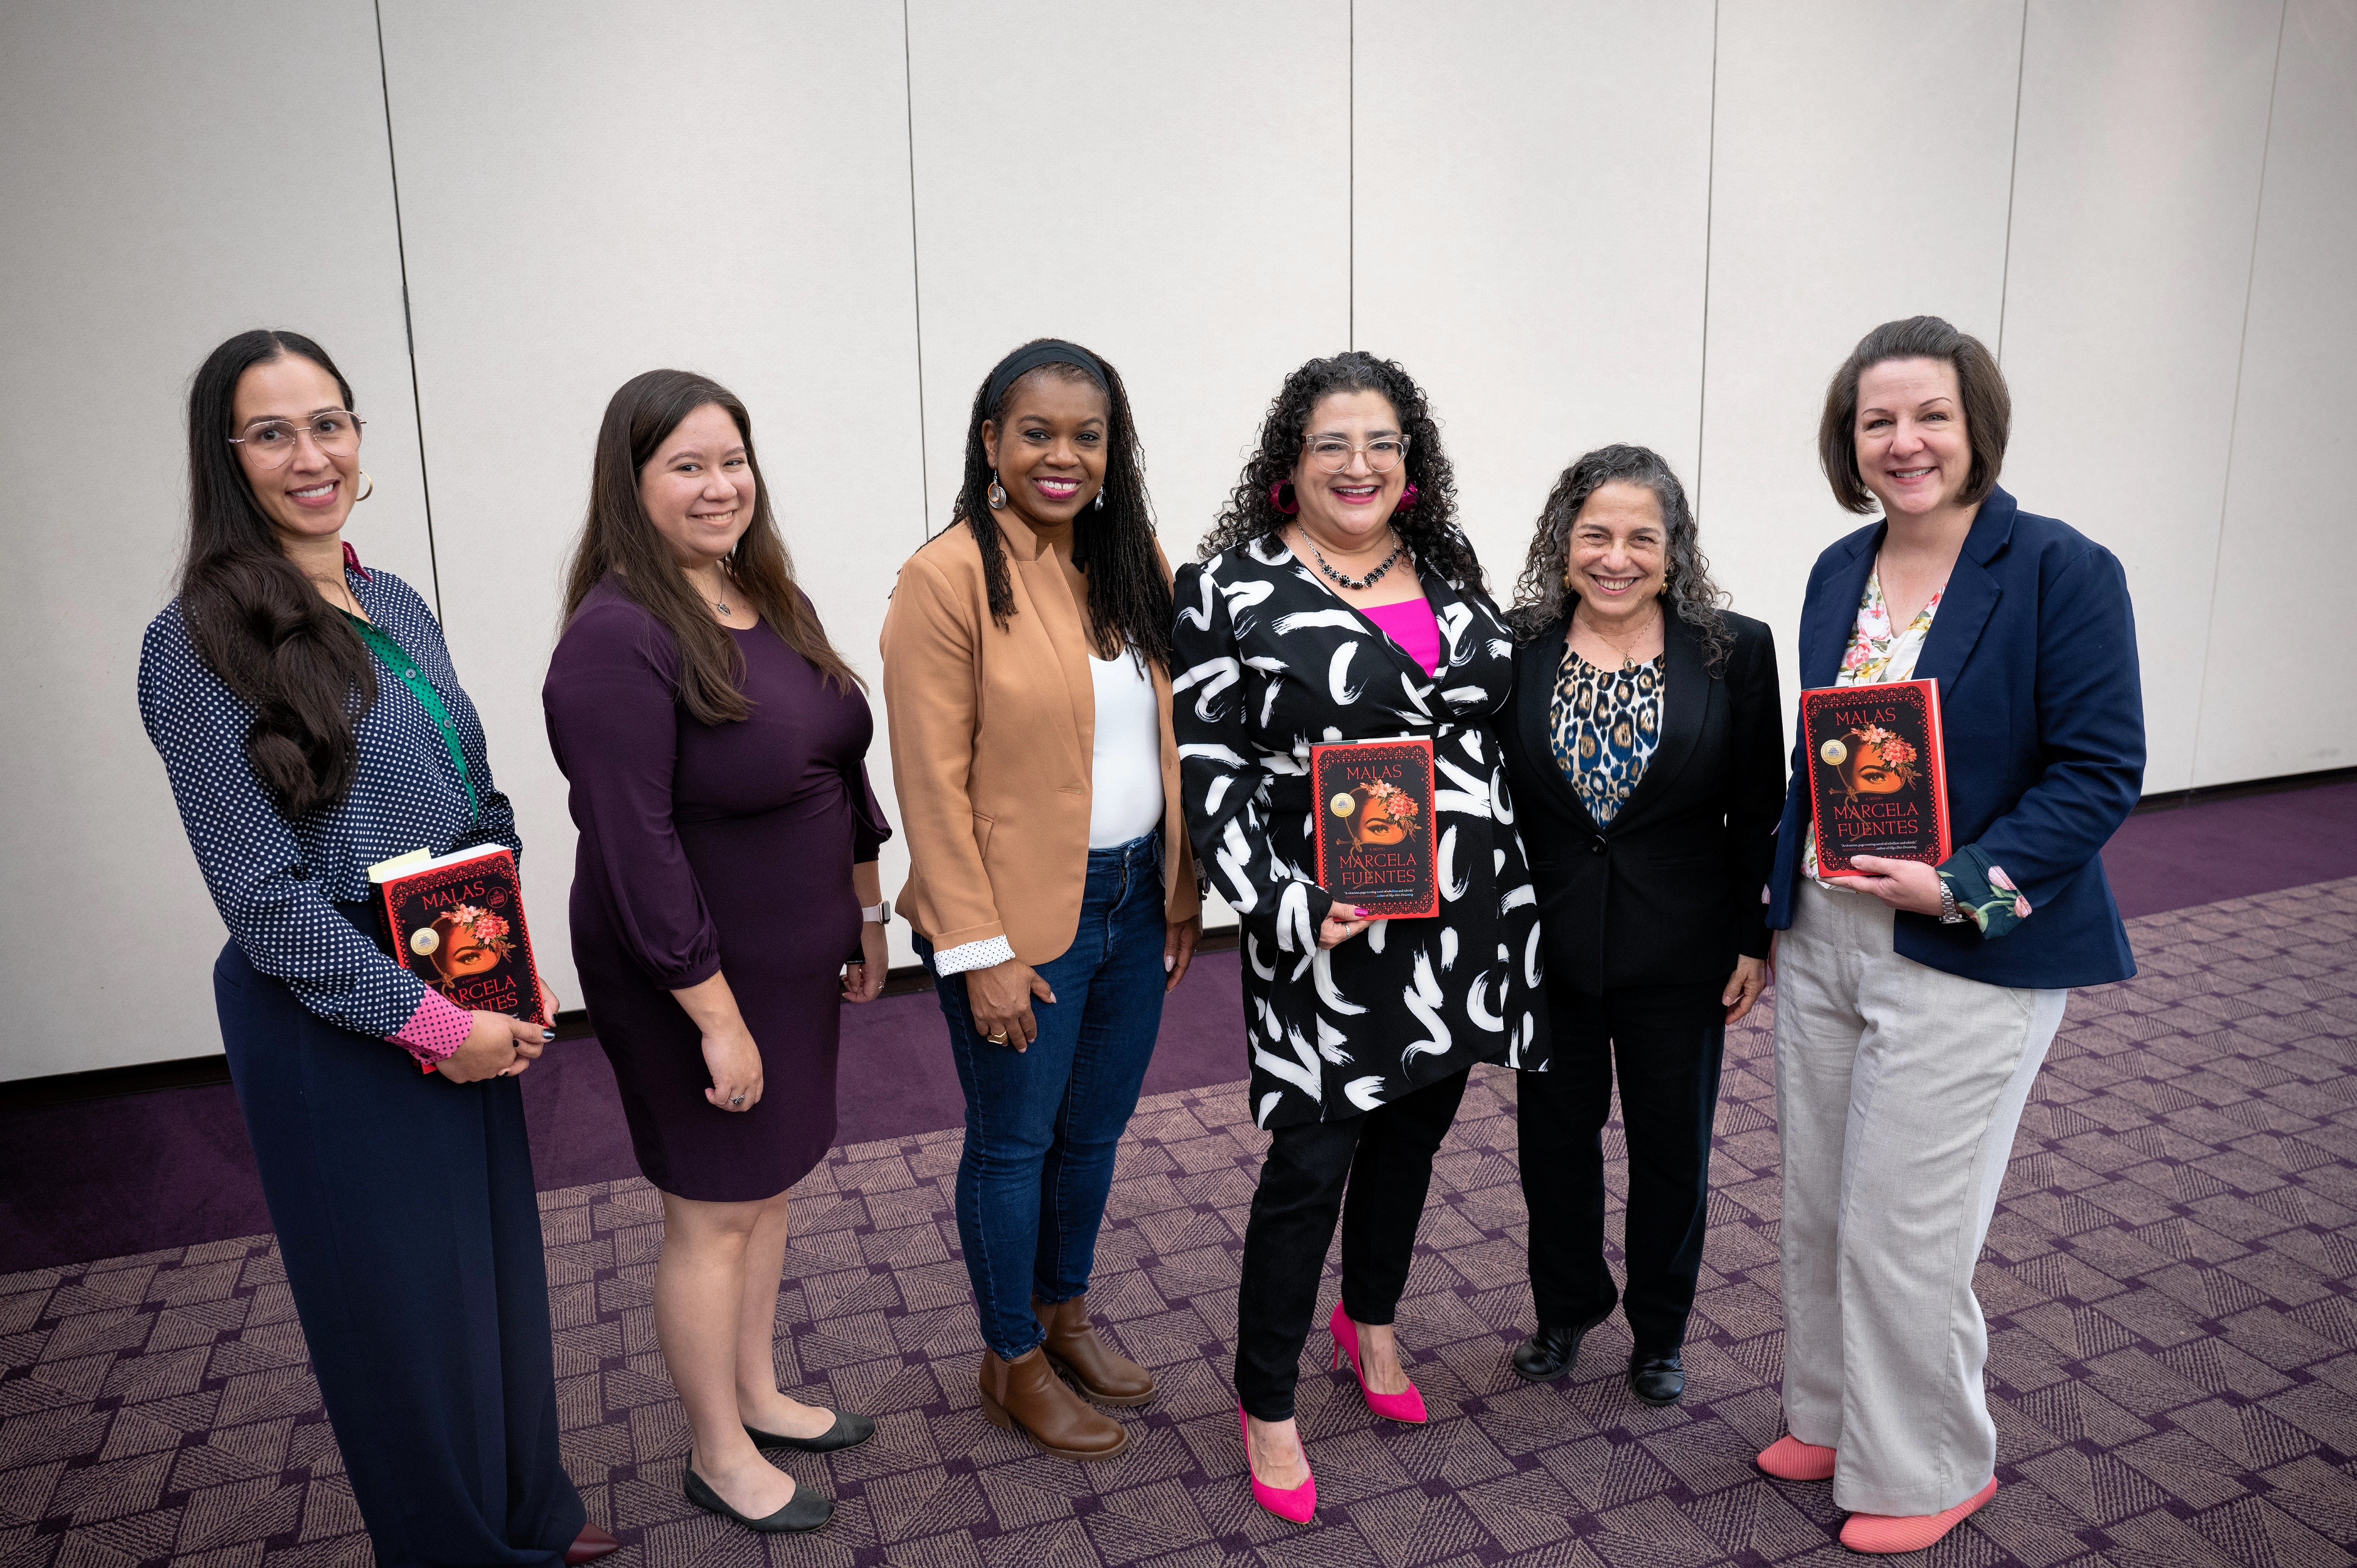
{"x": 368, "y": 488}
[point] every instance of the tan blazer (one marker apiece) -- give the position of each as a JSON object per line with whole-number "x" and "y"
{"x": 993, "y": 734}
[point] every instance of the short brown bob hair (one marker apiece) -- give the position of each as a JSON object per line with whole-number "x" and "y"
{"x": 1989, "y": 406}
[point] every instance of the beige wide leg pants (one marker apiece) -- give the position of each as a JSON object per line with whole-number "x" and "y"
{"x": 1898, "y": 1088}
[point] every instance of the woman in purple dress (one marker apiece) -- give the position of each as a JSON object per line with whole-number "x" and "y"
{"x": 725, "y": 898}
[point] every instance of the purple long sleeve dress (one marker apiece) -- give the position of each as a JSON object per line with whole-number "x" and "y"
{"x": 710, "y": 849}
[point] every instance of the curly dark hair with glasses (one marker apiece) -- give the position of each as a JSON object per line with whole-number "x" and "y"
{"x": 1542, "y": 595}
{"x": 1429, "y": 527}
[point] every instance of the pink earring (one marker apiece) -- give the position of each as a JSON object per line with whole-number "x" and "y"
{"x": 1280, "y": 496}
{"x": 1408, "y": 497}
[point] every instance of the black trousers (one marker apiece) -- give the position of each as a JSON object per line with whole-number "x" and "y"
{"x": 1384, "y": 1160}
{"x": 411, "y": 1235}
{"x": 1666, "y": 1041}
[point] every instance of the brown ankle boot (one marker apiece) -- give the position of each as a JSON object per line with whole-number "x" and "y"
{"x": 1103, "y": 1373}
{"x": 1026, "y": 1393}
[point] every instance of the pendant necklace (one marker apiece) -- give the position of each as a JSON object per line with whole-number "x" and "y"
{"x": 1357, "y": 585}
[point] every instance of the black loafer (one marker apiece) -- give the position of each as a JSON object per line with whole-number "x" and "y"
{"x": 849, "y": 1431}
{"x": 807, "y": 1511}
{"x": 1657, "y": 1379}
{"x": 1549, "y": 1353}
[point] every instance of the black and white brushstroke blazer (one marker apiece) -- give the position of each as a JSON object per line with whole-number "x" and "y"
{"x": 1268, "y": 663}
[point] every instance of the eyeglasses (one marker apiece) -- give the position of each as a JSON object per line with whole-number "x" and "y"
{"x": 272, "y": 441}
{"x": 1332, "y": 453}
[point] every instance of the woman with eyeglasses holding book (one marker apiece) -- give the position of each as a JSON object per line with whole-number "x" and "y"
{"x": 725, "y": 900}
{"x": 312, "y": 726}
{"x": 1026, "y": 674}
{"x": 1339, "y": 602}
{"x": 1915, "y": 1002}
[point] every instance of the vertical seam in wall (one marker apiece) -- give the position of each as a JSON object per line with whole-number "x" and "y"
{"x": 1350, "y": 114}
{"x": 408, "y": 326}
{"x": 2234, "y": 414}
{"x": 2012, "y": 175}
{"x": 1710, "y": 220}
{"x": 915, "y": 278}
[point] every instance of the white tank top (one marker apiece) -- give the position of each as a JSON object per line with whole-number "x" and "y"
{"x": 1125, "y": 772}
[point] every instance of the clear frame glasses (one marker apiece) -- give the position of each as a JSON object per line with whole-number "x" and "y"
{"x": 272, "y": 442}
{"x": 1332, "y": 453}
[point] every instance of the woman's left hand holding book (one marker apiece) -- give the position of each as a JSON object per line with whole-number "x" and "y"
{"x": 499, "y": 1046}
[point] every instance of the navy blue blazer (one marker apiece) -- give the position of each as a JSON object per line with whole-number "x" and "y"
{"x": 2041, "y": 713}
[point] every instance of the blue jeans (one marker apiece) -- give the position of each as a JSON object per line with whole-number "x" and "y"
{"x": 1041, "y": 1125}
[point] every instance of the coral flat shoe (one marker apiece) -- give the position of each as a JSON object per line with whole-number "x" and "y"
{"x": 1299, "y": 1504}
{"x": 1789, "y": 1459}
{"x": 1408, "y": 1406}
{"x": 1892, "y": 1532}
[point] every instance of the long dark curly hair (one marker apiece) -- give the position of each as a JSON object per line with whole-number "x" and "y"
{"x": 257, "y": 620}
{"x": 1429, "y": 527}
{"x": 1541, "y": 597}
{"x": 1129, "y": 597}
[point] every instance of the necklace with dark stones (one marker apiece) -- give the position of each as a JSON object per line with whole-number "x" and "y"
{"x": 1357, "y": 584}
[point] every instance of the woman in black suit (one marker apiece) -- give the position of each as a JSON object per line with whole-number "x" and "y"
{"x": 1645, "y": 751}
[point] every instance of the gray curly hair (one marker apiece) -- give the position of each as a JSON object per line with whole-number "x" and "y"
{"x": 1542, "y": 593}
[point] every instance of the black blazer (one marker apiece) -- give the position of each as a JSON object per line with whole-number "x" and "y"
{"x": 1670, "y": 893}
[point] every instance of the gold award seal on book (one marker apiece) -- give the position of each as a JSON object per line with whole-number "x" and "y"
{"x": 1343, "y": 804}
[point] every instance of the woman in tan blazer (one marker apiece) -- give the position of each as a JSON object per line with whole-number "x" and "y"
{"x": 1027, "y": 681}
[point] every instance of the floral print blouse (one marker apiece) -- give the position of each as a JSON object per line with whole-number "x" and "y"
{"x": 1604, "y": 725}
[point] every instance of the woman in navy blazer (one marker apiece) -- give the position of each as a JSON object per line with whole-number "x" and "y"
{"x": 1912, "y": 1010}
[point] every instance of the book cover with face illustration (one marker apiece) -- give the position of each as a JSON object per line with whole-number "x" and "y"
{"x": 1374, "y": 826}
{"x": 1877, "y": 778}
{"x": 458, "y": 922}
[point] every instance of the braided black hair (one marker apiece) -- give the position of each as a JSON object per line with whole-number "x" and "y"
{"x": 1129, "y": 599}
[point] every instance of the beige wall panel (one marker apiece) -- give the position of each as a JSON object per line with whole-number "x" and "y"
{"x": 2290, "y": 544}
{"x": 591, "y": 191}
{"x": 166, "y": 184}
{"x": 1175, "y": 195}
{"x": 2143, "y": 126}
{"x": 1862, "y": 156}
{"x": 1533, "y": 186}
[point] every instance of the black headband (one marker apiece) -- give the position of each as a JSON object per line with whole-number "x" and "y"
{"x": 1046, "y": 352}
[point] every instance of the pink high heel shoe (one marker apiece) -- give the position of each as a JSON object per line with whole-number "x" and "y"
{"x": 1409, "y": 1407}
{"x": 1299, "y": 1504}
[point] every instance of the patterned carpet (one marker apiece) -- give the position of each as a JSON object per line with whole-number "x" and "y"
{"x": 2173, "y": 1327}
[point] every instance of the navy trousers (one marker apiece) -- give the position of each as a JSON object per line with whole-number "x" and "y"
{"x": 411, "y": 1235}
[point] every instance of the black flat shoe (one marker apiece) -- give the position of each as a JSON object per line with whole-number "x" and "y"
{"x": 1657, "y": 1379}
{"x": 1550, "y": 1352}
{"x": 805, "y": 1512}
{"x": 849, "y": 1431}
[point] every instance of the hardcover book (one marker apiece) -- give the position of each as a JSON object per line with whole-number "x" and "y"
{"x": 457, "y": 920}
{"x": 1878, "y": 777}
{"x": 1376, "y": 846}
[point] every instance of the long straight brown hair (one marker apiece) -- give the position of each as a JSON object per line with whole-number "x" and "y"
{"x": 619, "y": 541}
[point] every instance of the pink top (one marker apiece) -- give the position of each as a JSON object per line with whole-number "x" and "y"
{"x": 1411, "y": 624}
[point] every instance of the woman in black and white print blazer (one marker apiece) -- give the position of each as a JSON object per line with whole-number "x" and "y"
{"x": 1362, "y": 1032}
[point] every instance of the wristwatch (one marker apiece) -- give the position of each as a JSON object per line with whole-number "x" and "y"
{"x": 1949, "y": 914}
{"x": 881, "y": 914}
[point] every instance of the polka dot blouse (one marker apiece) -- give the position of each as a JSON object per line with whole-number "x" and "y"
{"x": 277, "y": 884}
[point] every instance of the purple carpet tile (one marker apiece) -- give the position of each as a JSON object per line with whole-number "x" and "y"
{"x": 2173, "y": 1342}
{"x": 137, "y": 1173}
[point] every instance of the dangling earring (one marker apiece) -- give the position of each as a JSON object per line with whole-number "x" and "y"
{"x": 997, "y": 494}
{"x": 1407, "y": 497}
{"x": 368, "y": 488}
{"x": 1281, "y": 497}
{"x": 1098, "y": 504}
